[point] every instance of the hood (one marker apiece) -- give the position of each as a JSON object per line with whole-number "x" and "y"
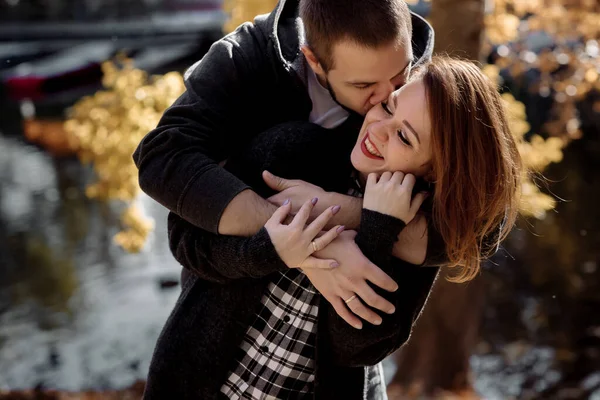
{"x": 286, "y": 32}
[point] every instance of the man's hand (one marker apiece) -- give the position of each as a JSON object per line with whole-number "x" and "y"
{"x": 412, "y": 241}
{"x": 346, "y": 288}
{"x": 299, "y": 192}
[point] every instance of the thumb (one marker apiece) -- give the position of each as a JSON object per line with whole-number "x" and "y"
{"x": 275, "y": 182}
{"x": 319, "y": 263}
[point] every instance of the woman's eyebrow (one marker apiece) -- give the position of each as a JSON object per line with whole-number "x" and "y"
{"x": 410, "y": 128}
{"x": 405, "y": 122}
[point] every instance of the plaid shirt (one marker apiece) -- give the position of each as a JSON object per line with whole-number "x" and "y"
{"x": 277, "y": 356}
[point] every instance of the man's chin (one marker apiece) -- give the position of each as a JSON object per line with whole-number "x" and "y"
{"x": 363, "y": 112}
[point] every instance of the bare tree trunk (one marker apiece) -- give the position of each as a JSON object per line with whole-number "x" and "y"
{"x": 458, "y": 27}
{"x": 245, "y": 10}
{"x": 435, "y": 361}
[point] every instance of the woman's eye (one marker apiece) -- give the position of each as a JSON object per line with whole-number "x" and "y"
{"x": 402, "y": 137}
{"x": 385, "y": 107}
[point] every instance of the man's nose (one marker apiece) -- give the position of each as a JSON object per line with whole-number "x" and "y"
{"x": 382, "y": 93}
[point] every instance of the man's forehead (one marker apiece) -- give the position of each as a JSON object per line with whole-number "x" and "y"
{"x": 376, "y": 76}
{"x": 361, "y": 64}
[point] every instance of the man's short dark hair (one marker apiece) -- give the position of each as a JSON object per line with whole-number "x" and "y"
{"x": 371, "y": 23}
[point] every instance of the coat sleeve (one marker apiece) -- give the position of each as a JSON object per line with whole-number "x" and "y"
{"x": 221, "y": 258}
{"x": 178, "y": 160}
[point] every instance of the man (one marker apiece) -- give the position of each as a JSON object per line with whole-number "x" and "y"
{"x": 339, "y": 58}
{"x": 336, "y": 61}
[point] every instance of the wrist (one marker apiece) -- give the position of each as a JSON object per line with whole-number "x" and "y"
{"x": 384, "y": 211}
{"x": 378, "y": 233}
{"x": 350, "y": 212}
{"x": 384, "y": 227}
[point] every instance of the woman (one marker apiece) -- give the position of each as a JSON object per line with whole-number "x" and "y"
{"x": 252, "y": 326}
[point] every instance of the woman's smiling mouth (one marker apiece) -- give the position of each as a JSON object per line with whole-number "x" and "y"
{"x": 369, "y": 149}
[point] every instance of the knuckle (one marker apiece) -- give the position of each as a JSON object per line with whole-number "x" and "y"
{"x": 359, "y": 309}
{"x": 372, "y": 300}
{"x": 382, "y": 304}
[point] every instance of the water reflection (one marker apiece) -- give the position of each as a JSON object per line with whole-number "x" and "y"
{"x": 75, "y": 311}
{"x": 542, "y": 327}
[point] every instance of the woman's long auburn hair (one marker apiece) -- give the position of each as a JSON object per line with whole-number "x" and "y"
{"x": 476, "y": 165}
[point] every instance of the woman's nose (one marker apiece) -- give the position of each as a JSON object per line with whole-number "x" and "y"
{"x": 379, "y": 131}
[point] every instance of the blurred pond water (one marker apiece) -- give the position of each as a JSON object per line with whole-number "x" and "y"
{"x": 75, "y": 311}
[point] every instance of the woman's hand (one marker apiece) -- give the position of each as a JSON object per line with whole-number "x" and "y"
{"x": 347, "y": 288}
{"x": 295, "y": 243}
{"x": 391, "y": 194}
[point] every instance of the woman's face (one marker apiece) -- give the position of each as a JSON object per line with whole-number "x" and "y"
{"x": 396, "y": 134}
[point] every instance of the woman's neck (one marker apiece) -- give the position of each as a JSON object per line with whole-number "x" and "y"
{"x": 362, "y": 180}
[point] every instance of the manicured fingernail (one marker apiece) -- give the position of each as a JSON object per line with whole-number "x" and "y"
{"x": 285, "y": 203}
{"x": 334, "y": 265}
{"x": 314, "y": 201}
{"x": 340, "y": 229}
{"x": 358, "y": 326}
{"x": 377, "y": 321}
{"x": 395, "y": 288}
{"x": 391, "y": 310}
{"x": 336, "y": 209}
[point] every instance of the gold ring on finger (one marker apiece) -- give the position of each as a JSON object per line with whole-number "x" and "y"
{"x": 350, "y": 299}
{"x": 314, "y": 246}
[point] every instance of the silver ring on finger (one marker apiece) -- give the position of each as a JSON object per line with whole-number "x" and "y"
{"x": 350, "y": 299}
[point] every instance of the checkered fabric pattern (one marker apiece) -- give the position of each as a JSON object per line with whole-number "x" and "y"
{"x": 276, "y": 358}
{"x": 277, "y": 355}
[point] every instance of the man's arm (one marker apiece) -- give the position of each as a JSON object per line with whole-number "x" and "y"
{"x": 412, "y": 241}
{"x": 349, "y": 214}
{"x": 298, "y": 192}
{"x": 245, "y": 215}
{"x": 177, "y": 161}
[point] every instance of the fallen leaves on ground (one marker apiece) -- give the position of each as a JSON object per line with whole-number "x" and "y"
{"x": 135, "y": 391}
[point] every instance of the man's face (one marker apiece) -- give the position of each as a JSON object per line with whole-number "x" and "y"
{"x": 362, "y": 77}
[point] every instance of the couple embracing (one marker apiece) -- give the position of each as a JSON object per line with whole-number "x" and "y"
{"x": 319, "y": 170}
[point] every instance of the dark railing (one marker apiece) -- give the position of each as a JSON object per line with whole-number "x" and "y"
{"x": 54, "y": 19}
{"x": 23, "y": 11}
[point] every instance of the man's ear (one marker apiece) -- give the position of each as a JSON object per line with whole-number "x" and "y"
{"x": 312, "y": 60}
